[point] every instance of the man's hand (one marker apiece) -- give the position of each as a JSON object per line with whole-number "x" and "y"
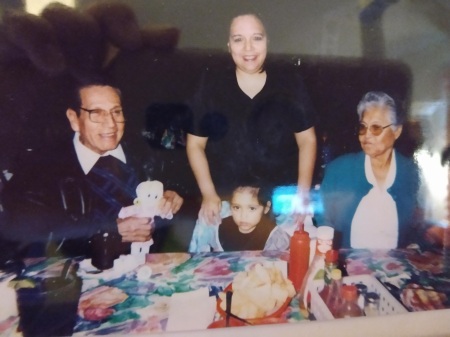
{"x": 170, "y": 203}
{"x": 134, "y": 229}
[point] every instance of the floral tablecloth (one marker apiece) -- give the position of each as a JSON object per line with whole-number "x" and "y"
{"x": 147, "y": 307}
{"x": 147, "y": 301}
{"x": 419, "y": 280}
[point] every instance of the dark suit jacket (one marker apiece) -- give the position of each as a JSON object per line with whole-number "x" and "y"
{"x": 47, "y": 201}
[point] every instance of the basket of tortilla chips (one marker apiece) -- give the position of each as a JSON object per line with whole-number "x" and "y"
{"x": 259, "y": 294}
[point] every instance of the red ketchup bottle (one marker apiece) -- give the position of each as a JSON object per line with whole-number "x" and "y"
{"x": 299, "y": 257}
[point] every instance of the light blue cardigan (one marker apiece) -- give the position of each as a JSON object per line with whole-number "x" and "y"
{"x": 345, "y": 184}
{"x": 206, "y": 237}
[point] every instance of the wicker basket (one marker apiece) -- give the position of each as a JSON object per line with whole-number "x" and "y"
{"x": 388, "y": 304}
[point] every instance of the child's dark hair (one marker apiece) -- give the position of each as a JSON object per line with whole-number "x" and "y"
{"x": 264, "y": 190}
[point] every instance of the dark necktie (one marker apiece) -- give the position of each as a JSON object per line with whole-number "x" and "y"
{"x": 113, "y": 184}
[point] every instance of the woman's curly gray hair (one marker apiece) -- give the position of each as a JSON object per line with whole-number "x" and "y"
{"x": 378, "y": 98}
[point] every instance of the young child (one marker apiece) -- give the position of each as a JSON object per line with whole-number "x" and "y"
{"x": 247, "y": 224}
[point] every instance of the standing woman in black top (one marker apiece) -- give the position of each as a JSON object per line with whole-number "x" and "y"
{"x": 250, "y": 117}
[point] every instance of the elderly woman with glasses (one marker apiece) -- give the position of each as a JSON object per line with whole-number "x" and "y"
{"x": 370, "y": 197}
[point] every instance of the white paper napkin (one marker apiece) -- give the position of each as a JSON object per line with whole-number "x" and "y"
{"x": 193, "y": 310}
{"x": 122, "y": 265}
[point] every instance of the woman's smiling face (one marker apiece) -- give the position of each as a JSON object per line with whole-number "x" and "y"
{"x": 248, "y": 43}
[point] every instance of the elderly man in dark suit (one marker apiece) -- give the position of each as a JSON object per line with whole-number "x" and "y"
{"x": 64, "y": 194}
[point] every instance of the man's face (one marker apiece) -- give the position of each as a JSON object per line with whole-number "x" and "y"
{"x": 99, "y": 137}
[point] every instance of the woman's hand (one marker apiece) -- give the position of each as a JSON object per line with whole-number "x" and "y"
{"x": 301, "y": 206}
{"x": 435, "y": 235}
{"x": 211, "y": 204}
{"x": 170, "y": 203}
{"x": 210, "y": 210}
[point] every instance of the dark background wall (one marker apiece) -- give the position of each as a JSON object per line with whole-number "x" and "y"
{"x": 413, "y": 32}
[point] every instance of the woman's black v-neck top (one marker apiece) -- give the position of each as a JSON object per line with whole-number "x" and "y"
{"x": 252, "y": 135}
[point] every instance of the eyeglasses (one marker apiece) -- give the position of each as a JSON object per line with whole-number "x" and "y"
{"x": 375, "y": 129}
{"x": 101, "y": 116}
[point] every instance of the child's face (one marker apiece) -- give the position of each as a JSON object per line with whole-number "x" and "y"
{"x": 246, "y": 210}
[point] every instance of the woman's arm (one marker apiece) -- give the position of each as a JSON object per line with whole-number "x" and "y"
{"x": 307, "y": 145}
{"x": 211, "y": 204}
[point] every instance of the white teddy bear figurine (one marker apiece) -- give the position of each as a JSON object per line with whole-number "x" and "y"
{"x": 146, "y": 205}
